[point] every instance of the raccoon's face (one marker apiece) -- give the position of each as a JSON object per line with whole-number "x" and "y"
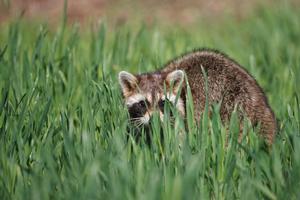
{"x": 145, "y": 95}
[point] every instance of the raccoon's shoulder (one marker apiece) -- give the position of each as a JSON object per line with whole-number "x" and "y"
{"x": 203, "y": 56}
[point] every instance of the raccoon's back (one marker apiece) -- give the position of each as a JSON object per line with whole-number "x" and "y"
{"x": 224, "y": 75}
{"x": 216, "y": 65}
{"x": 227, "y": 83}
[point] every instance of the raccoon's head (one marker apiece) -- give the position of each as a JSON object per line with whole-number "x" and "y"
{"x": 147, "y": 94}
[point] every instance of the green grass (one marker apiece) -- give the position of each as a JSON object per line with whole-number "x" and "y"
{"x": 63, "y": 123}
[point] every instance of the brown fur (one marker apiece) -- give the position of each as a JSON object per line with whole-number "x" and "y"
{"x": 228, "y": 83}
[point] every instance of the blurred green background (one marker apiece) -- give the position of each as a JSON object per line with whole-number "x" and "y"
{"x": 63, "y": 123}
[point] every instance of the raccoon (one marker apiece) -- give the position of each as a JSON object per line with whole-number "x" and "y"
{"x": 227, "y": 83}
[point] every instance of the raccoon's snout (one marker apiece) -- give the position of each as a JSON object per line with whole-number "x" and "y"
{"x": 151, "y": 117}
{"x": 146, "y": 118}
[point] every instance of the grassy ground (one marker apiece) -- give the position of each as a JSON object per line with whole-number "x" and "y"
{"x": 63, "y": 124}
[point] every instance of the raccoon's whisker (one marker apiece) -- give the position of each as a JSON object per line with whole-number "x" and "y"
{"x": 137, "y": 122}
{"x": 134, "y": 118}
{"x": 140, "y": 123}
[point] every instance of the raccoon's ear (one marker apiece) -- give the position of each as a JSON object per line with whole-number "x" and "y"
{"x": 127, "y": 81}
{"x": 176, "y": 78}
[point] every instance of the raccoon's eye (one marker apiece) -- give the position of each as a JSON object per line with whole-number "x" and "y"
{"x": 161, "y": 105}
{"x": 142, "y": 104}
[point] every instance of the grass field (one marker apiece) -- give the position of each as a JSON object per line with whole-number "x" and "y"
{"x": 63, "y": 123}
